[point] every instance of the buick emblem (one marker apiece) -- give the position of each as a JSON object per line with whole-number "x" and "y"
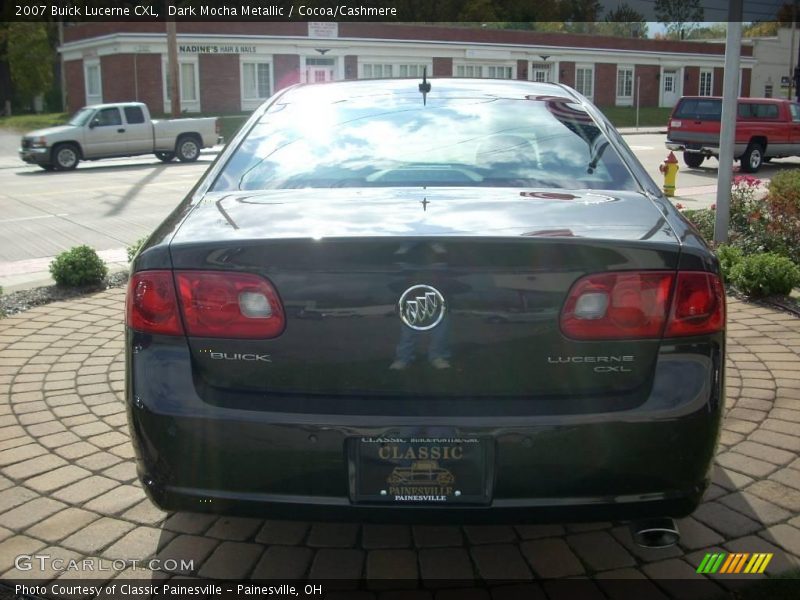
{"x": 422, "y": 307}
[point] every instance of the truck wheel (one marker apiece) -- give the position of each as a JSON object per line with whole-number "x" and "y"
{"x": 693, "y": 159}
{"x": 66, "y": 157}
{"x": 165, "y": 156}
{"x": 752, "y": 158}
{"x": 188, "y": 149}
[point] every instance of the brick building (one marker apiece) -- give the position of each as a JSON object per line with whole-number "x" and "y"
{"x": 230, "y": 67}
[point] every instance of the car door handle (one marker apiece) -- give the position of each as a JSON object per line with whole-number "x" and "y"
{"x": 120, "y": 131}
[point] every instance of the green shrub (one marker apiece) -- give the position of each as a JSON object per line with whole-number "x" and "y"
{"x": 78, "y": 266}
{"x": 765, "y": 275}
{"x": 783, "y": 211}
{"x": 703, "y": 219}
{"x": 133, "y": 249}
{"x": 728, "y": 256}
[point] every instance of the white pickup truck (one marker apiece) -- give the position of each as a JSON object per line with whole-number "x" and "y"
{"x": 123, "y": 129}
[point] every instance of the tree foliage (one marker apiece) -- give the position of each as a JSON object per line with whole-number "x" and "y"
{"x": 679, "y": 16}
{"x": 30, "y": 59}
{"x": 624, "y": 21}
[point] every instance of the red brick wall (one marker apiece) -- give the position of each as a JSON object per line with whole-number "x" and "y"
{"x": 522, "y": 69}
{"x": 566, "y": 73}
{"x": 691, "y": 81}
{"x": 605, "y": 84}
{"x": 118, "y": 85}
{"x": 649, "y": 82}
{"x": 746, "y": 82}
{"x": 76, "y": 90}
{"x": 350, "y": 67}
{"x": 220, "y": 85}
{"x": 719, "y": 75}
{"x": 442, "y": 67}
{"x": 287, "y": 70}
{"x": 149, "y": 82}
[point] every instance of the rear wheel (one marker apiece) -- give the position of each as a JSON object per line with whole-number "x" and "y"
{"x": 188, "y": 149}
{"x": 752, "y": 158}
{"x": 165, "y": 156}
{"x": 66, "y": 157}
{"x": 693, "y": 159}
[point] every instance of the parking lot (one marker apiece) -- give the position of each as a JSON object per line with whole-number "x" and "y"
{"x": 67, "y": 478}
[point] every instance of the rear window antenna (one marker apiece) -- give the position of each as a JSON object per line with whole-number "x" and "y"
{"x": 425, "y": 87}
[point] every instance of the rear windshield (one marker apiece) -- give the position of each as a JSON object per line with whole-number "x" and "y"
{"x": 395, "y": 140}
{"x": 701, "y": 109}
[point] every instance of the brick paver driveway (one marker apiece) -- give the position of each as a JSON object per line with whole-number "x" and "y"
{"x": 68, "y": 486}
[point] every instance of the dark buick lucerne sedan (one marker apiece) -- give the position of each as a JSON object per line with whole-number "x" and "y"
{"x": 457, "y": 299}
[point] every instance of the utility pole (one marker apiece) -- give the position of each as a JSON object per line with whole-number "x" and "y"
{"x": 174, "y": 75}
{"x": 730, "y": 94}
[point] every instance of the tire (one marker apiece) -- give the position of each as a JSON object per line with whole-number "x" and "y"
{"x": 47, "y": 167}
{"x": 693, "y": 159}
{"x": 165, "y": 156}
{"x": 188, "y": 149}
{"x": 66, "y": 157}
{"x": 752, "y": 159}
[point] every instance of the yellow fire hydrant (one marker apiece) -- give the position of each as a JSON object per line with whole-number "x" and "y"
{"x": 670, "y": 170}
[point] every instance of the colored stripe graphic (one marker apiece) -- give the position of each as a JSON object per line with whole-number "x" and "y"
{"x": 733, "y": 564}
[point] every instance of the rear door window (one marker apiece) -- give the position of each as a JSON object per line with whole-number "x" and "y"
{"x": 699, "y": 109}
{"x": 753, "y": 110}
{"x": 134, "y": 115}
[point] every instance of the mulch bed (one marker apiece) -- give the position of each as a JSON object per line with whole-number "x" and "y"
{"x": 17, "y": 302}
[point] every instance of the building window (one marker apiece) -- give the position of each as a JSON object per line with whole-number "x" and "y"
{"x": 256, "y": 81}
{"x": 487, "y": 71}
{"x": 189, "y": 85}
{"x": 541, "y": 72}
{"x": 767, "y": 91}
{"x": 94, "y": 84}
{"x": 625, "y": 85}
{"x": 706, "y": 82}
{"x": 584, "y": 80}
{"x": 376, "y": 71}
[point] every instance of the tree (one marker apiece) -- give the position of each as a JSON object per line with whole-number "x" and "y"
{"x": 30, "y": 59}
{"x": 680, "y": 16}
{"x": 624, "y": 21}
{"x": 761, "y": 29}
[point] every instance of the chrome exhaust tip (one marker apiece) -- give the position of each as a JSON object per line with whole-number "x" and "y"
{"x": 655, "y": 533}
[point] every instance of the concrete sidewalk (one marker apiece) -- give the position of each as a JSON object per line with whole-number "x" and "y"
{"x": 68, "y": 486}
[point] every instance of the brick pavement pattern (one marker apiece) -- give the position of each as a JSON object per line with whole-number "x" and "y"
{"x": 68, "y": 486}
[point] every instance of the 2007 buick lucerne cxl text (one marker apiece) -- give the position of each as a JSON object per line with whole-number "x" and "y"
{"x": 453, "y": 300}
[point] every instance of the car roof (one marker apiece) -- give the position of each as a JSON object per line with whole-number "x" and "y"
{"x": 493, "y": 88}
{"x": 114, "y": 104}
{"x": 741, "y": 99}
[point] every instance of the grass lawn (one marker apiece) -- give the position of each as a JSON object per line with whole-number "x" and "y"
{"x": 23, "y": 123}
{"x": 625, "y": 116}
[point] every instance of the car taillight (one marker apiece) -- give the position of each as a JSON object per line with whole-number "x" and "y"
{"x": 624, "y": 305}
{"x": 229, "y": 305}
{"x": 698, "y": 307}
{"x": 636, "y": 305}
{"x": 151, "y": 305}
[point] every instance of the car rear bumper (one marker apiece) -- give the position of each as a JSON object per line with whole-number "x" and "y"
{"x": 652, "y": 461}
{"x": 701, "y": 148}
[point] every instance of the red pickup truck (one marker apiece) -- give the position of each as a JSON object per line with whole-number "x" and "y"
{"x": 766, "y": 128}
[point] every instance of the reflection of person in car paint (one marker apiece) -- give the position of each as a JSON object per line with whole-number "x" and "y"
{"x": 438, "y": 348}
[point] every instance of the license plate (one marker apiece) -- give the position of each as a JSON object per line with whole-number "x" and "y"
{"x": 424, "y": 470}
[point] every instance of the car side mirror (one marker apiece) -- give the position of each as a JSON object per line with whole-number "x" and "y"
{"x": 94, "y": 123}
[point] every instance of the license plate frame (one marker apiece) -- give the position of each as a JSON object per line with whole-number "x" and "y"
{"x": 422, "y": 470}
